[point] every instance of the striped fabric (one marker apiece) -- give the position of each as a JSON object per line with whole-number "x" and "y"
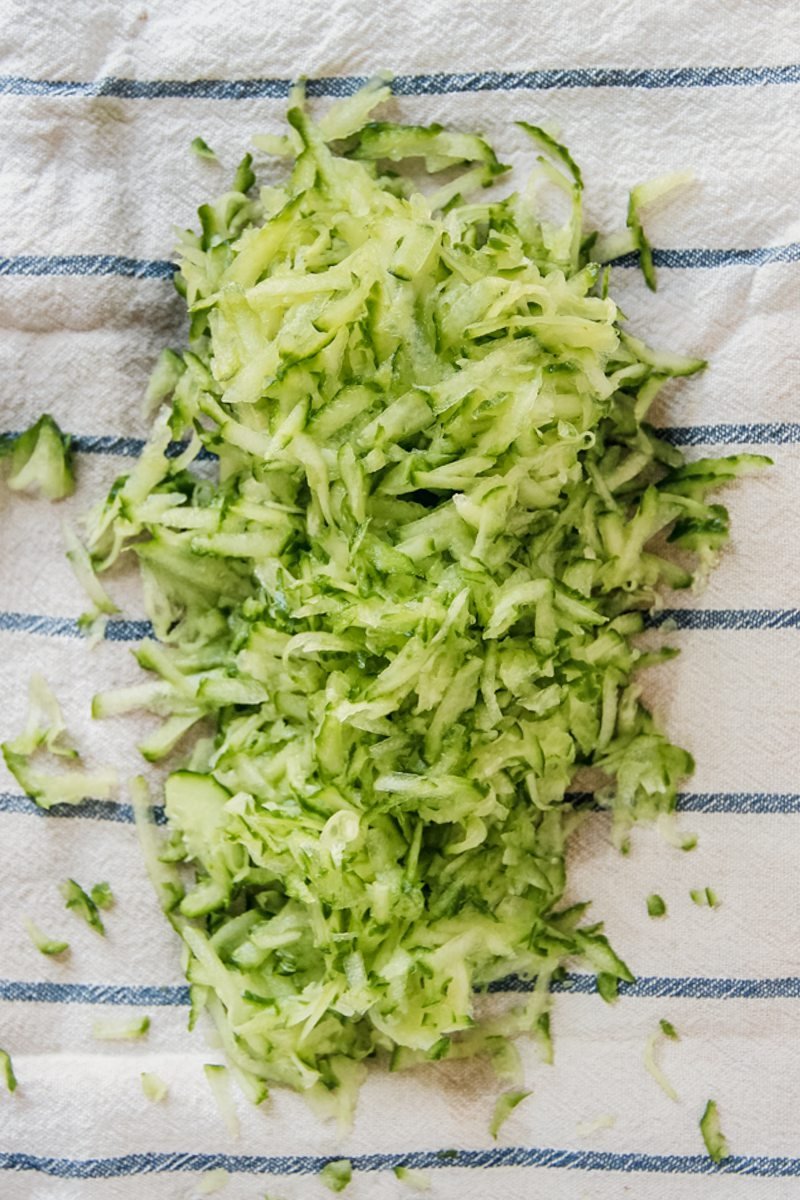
{"x": 98, "y": 105}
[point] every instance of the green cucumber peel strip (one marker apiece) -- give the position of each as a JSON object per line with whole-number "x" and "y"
{"x": 714, "y": 1139}
{"x": 203, "y": 150}
{"x": 102, "y": 895}
{"x": 7, "y": 1071}
{"x": 504, "y": 1106}
{"x": 82, "y": 904}
{"x": 417, "y": 1181}
{"x": 41, "y": 460}
{"x": 43, "y": 943}
{"x": 336, "y": 1175}
{"x": 46, "y": 734}
{"x": 131, "y": 1030}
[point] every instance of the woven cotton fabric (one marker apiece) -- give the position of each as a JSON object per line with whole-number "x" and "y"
{"x": 98, "y": 105}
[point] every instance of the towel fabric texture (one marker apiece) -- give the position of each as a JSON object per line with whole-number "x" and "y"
{"x": 98, "y": 105}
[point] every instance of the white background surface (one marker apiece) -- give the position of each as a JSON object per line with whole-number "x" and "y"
{"x": 107, "y": 175}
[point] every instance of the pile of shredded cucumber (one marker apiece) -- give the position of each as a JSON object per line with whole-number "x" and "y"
{"x": 399, "y": 610}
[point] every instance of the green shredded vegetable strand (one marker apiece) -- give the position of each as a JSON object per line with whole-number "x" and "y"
{"x": 640, "y": 197}
{"x": 102, "y": 895}
{"x": 400, "y": 612}
{"x": 656, "y": 907}
{"x": 417, "y": 1181}
{"x": 608, "y": 987}
{"x": 82, "y": 904}
{"x": 43, "y": 943}
{"x": 713, "y": 1137}
{"x": 202, "y": 149}
{"x": 669, "y": 1030}
{"x": 218, "y": 1078}
{"x": 153, "y": 1086}
{"x": 45, "y": 734}
{"x": 705, "y": 897}
{"x": 121, "y": 1031}
{"x": 336, "y": 1175}
{"x": 589, "y": 1128}
{"x": 7, "y": 1071}
{"x": 41, "y": 460}
{"x": 94, "y": 621}
{"x": 504, "y": 1106}
{"x": 652, "y": 1066}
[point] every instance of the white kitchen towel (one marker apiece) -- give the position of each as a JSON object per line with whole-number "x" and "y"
{"x": 98, "y": 104}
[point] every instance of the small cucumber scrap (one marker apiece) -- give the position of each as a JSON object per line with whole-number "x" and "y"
{"x": 40, "y": 460}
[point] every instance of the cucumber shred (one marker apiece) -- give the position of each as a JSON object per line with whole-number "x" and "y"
{"x": 665, "y": 1030}
{"x": 416, "y": 1181}
{"x": 7, "y": 1072}
{"x": 41, "y": 460}
{"x": 153, "y": 1086}
{"x": 705, "y": 897}
{"x": 714, "y": 1139}
{"x": 504, "y": 1106}
{"x": 403, "y": 605}
{"x": 336, "y": 1175}
{"x": 121, "y": 1031}
{"x": 83, "y": 905}
{"x": 52, "y": 947}
{"x": 218, "y": 1078}
{"x": 202, "y": 149}
{"x": 102, "y": 896}
{"x": 45, "y": 735}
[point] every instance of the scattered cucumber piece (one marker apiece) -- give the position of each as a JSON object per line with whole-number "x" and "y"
{"x": 102, "y": 895}
{"x": 336, "y": 1175}
{"x": 218, "y": 1078}
{"x": 107, "y": 1030}
{"x": 713, "y": 1137}
{"x": 203, "y": 150}
{"x": 41, "y": 460}
{"x": 7, "y": 1071}
{"x": 82, "y": 904}
{"x": 504, "y": 1106}
{"x": 153, "y": 1086}
{"x": 43, "y": 943}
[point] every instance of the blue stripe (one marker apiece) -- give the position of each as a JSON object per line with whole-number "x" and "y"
{"x": 128, "y": 447}
{"x": 152, "y": 996}
{"x": 727, "y": 618}
{"x": 689, "y": 258}
{"x": 172, "y": 1162}
{"x": 86, "y": 264}
{"x": 698, "y": 258}
{"x": 723, "y": 619}
{"x": 648, "y": 987}
{"x": 662, "y": 987}
{"x": 90, "y": 809}
{"x": 98, "y": 443}
{"x": 779, "y": 433}
{"x": 116, "y": 630}
{"x": 736, "y": 803}
{"x": 438, "y": 84}
{"x": 776, "y": 433}
{"x": 739, "y": 802}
